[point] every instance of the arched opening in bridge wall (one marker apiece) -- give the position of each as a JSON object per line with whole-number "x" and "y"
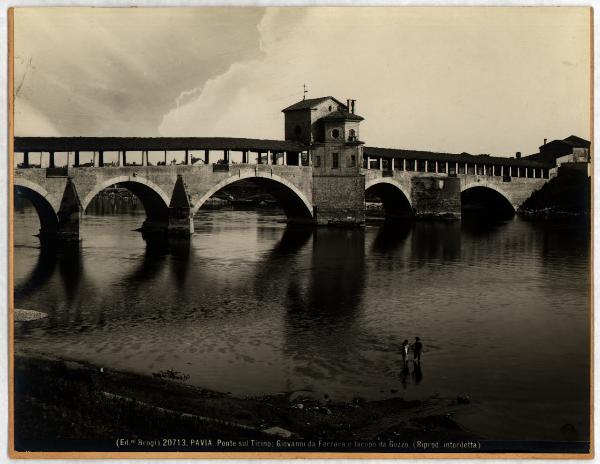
{"x": 394, "y": 202}
{"x": 46, "y": 214}
{"x": 124, "y": 196}
{"x": 485, "y": 202}
{"x": 261, "y": 192}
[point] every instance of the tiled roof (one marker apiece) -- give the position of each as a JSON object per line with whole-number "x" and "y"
{"x": 342, "y": 116}
{"x": 577, "y": 142}
{"x": 310, "y": 103}
{"x": 451, "y": 157}
{"x": 571, "y": 141}
{"x": 59, "y": 144}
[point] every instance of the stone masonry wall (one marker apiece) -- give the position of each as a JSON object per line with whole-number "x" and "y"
{"x": 436, "y": 197}
{"x": 339, "y": 200}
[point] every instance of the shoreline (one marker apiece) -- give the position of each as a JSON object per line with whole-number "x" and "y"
{"x": 92, "y": 406}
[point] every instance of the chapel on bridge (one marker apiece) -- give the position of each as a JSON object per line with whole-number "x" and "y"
{"x": 331, "y": 128}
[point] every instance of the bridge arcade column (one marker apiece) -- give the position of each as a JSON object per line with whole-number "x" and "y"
{"x": 51, "y": 160}
{"x": 26, "y": 159}
{"x": 187, "y": 157}
{"x": 206, "y": 156}
{"x": 76, "y": 162}
{"x": 101, "y": 158}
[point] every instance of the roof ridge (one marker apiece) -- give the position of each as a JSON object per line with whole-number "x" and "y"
{"x": 308, "y": 102}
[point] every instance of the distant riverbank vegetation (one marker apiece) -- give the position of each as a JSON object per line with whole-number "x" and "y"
{"x": 568, "y": 194}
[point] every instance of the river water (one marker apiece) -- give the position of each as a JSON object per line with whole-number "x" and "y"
{"x": 251, "y": 307}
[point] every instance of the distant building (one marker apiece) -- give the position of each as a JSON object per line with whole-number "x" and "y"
{"x": 572, "y": 152}
{"x": 572, "y": 145}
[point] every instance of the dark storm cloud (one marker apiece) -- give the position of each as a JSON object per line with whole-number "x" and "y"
{"x": 102, "y": 71}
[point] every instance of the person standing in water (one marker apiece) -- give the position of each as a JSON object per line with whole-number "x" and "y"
{"x": 417, "y": 348}
{"x": 404, "y": 351}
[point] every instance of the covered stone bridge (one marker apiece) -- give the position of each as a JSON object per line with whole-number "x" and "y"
{"x": 171, "y": 192}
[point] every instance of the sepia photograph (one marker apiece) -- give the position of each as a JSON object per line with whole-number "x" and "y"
{"x": 258, "y": 232}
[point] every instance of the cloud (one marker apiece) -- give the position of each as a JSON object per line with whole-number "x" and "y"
{"x": 102, "y": 71}
{"x": 442, "y": 79}
{"x": 31, "y": 123}
{"x": 465, "y": 79}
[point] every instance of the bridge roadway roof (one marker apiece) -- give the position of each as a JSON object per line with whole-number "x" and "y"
{"x": 62, "y": 144}
{"x": 377, "y": 152}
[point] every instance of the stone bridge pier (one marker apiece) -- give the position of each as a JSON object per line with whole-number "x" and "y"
{"x": 171, "y": 195}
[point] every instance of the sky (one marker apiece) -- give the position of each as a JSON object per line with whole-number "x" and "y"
{"x": 476, "y": 80}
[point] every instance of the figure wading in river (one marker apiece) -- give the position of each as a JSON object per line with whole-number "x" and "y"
{"x": 404, "y": 351}
{"x": 417, "y": 348}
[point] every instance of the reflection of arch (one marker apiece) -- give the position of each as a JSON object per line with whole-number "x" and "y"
{"x": 390, "y": 236}
{"x": 39, "y": 198}
{"x": 394, "y": 197}
{"x": 486, "y": 198}
{"x": 41, "y": 272}
{"x": 154, "y": 199}
{"x": 292, "y": 240}
{"x": 293, "y": 202}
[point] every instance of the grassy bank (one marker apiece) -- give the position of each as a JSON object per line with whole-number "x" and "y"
{"x": 69, "y": 404}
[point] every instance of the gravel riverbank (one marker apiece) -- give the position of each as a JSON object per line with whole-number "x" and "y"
{"x": 61, "y": 404}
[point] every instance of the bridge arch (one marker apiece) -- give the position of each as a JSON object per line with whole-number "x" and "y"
{"x": 394, "y": 197}
{"x": 291, "y": 199}
{"x": 154, "y": 199}
{"x": 38, "y": 197}
{"x": 486, "y": 198}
